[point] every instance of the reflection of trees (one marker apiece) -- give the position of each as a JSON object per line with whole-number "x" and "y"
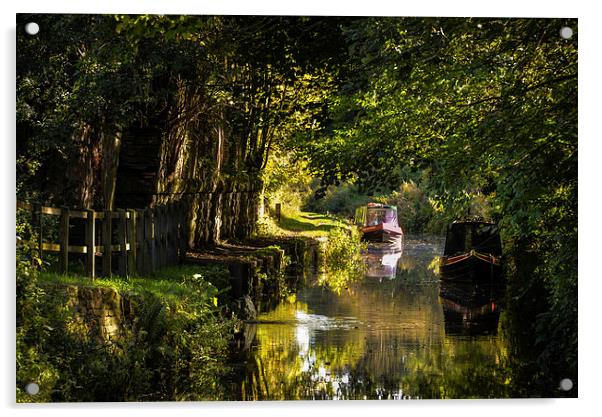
{"x": 378, "y": 340}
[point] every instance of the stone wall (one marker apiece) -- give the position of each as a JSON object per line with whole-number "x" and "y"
{"x": 97, "y": 312}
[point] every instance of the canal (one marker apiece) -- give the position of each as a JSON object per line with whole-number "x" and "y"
{"x": 395, "y": 334}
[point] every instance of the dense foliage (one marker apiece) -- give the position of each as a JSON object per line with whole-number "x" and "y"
{"x": 482, "y": 115}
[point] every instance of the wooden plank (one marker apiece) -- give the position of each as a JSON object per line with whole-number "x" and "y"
{"x": 141, "y": 243}
{"x": 23, "y": 205}
{"x": 64, "y": 240}
{"x": 115, "y": 214}
{"x": 78, "y": 214}
{"x": 78, "y": 249}
{"x": 107, "y": 224}
{"x": 90, "y": 236}
{"x": 51, "y": 210}
{"x": 121, "y": 238}
{"x": 51, "y": 247}
{"x": 37, "y": 224}
{"x": 131, "y": 237}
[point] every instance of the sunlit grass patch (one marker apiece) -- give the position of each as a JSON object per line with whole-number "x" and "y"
{"x": 300, "y": 223}
{"x": 171, "y": 284}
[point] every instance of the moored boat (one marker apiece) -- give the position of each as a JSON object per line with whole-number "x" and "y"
{"x": 379, "y": 226}
{"x": 472, "y": 252}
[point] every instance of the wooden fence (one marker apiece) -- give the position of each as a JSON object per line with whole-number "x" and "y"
{"x": 139, "y": 240}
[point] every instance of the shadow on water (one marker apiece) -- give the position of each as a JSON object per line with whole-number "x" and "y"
{"x": 394, "y": 335}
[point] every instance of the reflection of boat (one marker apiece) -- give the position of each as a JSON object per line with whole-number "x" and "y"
{"x": 472, "y": 252}
{"x": 470, "y": 310}
{"x": 379, "y": 226}
{"x": 382, "y": 265}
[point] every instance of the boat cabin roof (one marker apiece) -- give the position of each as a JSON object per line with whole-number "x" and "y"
{"x": 375, "y": 213}
{"x": 468, "y": 222}
{"x": 380, "y": 206}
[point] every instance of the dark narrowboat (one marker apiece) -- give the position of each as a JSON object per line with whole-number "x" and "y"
{"x": 472, "y": 252}
{"x": 379, "y": 226}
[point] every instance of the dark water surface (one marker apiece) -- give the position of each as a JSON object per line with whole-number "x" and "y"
{"x": 396, "y": 334}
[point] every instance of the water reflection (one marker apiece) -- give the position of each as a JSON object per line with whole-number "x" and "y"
{"x": 396, "y": 338}
{"x": 382, "y": 265}
{"x": 470, "y": 310}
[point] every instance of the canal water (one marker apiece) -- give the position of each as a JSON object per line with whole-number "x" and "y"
{"x": 396, "y": 334}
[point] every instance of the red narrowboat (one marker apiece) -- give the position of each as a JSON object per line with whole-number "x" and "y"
{"x": 379, "y": 226}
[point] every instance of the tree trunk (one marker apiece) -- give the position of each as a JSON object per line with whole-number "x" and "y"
{"x": 111, "y": 144}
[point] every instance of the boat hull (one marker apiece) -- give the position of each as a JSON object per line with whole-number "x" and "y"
{"x": 383, "y": 237}
{"x": 472, "y": 267}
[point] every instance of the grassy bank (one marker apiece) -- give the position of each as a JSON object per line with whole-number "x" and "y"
{"x": 294, "y": 222}
{"x": 172, "y": 284}
{"x": 175, "y": 348}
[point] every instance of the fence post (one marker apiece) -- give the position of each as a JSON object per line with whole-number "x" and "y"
{"x": 158, "y": 223}
{"x": 278, "y": 211}
{"x": 90, "y": 238}
{"x": 183, "y": 229}
{"x": 165, "y": 242}
{"x": 178, "y": 231}
{"x": 166, "y": 234}
{"x": 149, "y": 234}
{"x": 36, "y": 219}
{"x": 171, "y": 235}
{"x": 122, "y": 262}
{"x": 141, "y": 258}
{"x": 131, "y": 237}
{"x": 106, "y": 243}
{"x": 64, "y": 240}
{"x": 158, "y": 234}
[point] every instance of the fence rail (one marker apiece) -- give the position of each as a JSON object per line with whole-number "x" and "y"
{"x": 140, "y": 240}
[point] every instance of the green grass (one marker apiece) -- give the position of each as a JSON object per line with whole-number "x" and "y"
{"x": 300, "y": 223}
{"x": 168, "y": 283}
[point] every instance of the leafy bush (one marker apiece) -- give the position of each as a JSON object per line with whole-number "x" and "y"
{"x": 33, "y": 364}
{"x": 174, "y": 349}
{"x": 343, "y": 199}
